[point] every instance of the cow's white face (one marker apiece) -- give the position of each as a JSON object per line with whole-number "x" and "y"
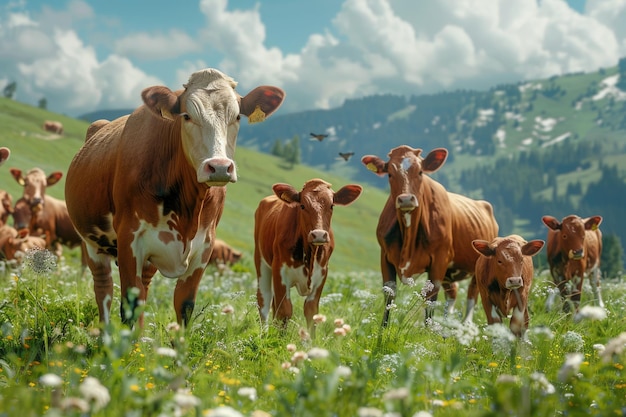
{"x": 209, "y": 130}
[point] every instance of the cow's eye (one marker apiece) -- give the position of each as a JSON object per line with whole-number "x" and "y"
{"x": 186, "y": 117}
{"x": 238, "y": 117}
{"x": 302, "y": 206}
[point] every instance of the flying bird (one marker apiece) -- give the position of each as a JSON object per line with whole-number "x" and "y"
{"x": 318, "y": 136}
{"x": 345, "y": 155}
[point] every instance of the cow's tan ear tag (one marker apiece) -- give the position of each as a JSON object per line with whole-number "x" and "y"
{"x": 257, "y": 115}
{"x": 166, "y": 114}
{"x": 594, "y": 227}
{"x": 372, "y": 167}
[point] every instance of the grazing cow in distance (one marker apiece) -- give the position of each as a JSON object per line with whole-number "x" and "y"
{"x": 53, "y": 127}
{"x": 504, "y": 275}
{"x": 293, "y": 242}
{"x": 425, "y": 228}
{"x": 5, "y": 153}
{"x": 44, "y": 215}
{"x": 574, "y": 248}
{"x": 224, "y": 254}
{"x": 15, "y": 243}
{"x": 148, "y": 189}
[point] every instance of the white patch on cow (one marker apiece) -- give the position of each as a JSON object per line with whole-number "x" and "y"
{"x": 406, "y": 164}
{"x": 407, "y": 219}
{"x": 266, "y": 289}
{"x": 171, "y": 257}
{"x": 295, "y": 277}
{"x": 403, "y": 270}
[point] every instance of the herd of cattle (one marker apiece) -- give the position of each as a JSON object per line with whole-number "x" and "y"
{"x": 159, "y": 213}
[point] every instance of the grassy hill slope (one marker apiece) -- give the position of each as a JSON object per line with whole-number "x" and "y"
{"x": 356, "y": 246}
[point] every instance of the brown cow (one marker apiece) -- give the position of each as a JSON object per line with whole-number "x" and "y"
{"x": 43, "y": 214}
{"x": 224, "y": 254}
{"x": 504, "y": 275}
{"x": 148, "y": 188}
{"x": 423, "y": 228}
{"x": 15, "y": 243}
{"x": 53, "y": 127}
{"x": 574, "y": 247}
{"x": 293, "y": 242}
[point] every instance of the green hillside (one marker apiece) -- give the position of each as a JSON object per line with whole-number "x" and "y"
{"x": 354, "y": 226}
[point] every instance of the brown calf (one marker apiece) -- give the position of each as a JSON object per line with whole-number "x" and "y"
{"x": 224, "y": 254}
{"x": 6, "y": 206}
{"x": 574, "y": 247}
{"x": 14, "y": 244}
{"x": 504, "y": 275}
{"x": 53, "y": 127}
{"x": 293, "y": 242}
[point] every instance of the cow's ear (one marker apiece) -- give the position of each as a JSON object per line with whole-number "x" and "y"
{"x": 435, "y": 160}
{"x": 375, "y": 164}
{"x": 593, "y": 222}
{"x": 17, "y": 174}
{"x": 286, "y": 193}
{"x": 261, "y": 102}
{"x": 54, "y": 177}
{"x": 347, "y": 194}
{"x": 533, "y": 247}
{"x": 161, "y": 101}
{"x": 551, "y": 222}
{"x": 482, "y": 247}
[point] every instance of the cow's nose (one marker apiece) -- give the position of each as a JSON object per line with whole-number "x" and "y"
{"x": 318, "y": 237}
{"x": 219, "y": 171}
{"x": 513, "y": 283}
{"x": 406, "y": 202}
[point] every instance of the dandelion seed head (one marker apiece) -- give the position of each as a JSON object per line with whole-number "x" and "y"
{"x": 343, "y": 371}
{"x": 247, "y": 392}
{"x": 318, "y": 353}
{"x": 50, "y": 380}
{"x": 591, "y": 313}
{"x": 40, "y": 261}
{"x": 167, "y": 352}
{"x": 95, "y": 393}
{"x": 185, "y": 400}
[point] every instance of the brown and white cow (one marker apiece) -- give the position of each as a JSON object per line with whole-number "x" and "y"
{"x": 293, "y": 244}
{"x": 53, "y": 126}
{"x": 424, "y": 228}
{"x": 14, "y": 243}
{"x": 224, "y": 254}
{"x": 42, "y": 214}
{"x": 148, "y": 188}
{"x": 574, "y": 248}
{"x": 504, "y": 276}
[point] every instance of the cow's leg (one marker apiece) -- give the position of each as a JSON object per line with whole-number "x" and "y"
{"x": 389, "y": 286}
{"x": 311, "y": 307}
{"x": 557, "y": 279}
{"x": 185, "y": 296}
{"x": 281, "y": 302}
{"x": 100, "y": 266}
{"x": 472, "y": 296}
{"x": 131, "y": 286}
{"x": 147, "y": 273}
{"x": 594, "y": 280}
{"x": 436, "y": 276}
{"x": 264, "y": 290}
{"x": 450, "y": 291}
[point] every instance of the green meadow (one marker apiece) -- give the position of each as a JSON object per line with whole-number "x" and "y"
{"x": 56, "y": 359}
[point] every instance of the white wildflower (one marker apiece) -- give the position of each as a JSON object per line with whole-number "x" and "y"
{"x": 71, "y": 404}
{"x": 369, "y": 412}
{"x": 615, "y": 347}
{"x": 173, "y": 327}
{"x": 291, "y": 347}
{"x": 590, "y": 313}
{"x": 318, "y": 353}
{"x": 502, "y": 340}
{"x": 339, "y": 322}
{"x": 319, "y": 318}
{"x": 427, "y": 288}
{"x": 340, "y": 331}
{"x": 396, "y": 394}
{"x": 573, "y": 342}
{"x": 422, "y": 414}
{"x": 185, "y": 400}
{"x": 299, "y": 356}
{"x": 95, "y": 393}
{"x": 343, "y": 371}
{"x": 599, "y": 347}
{"x": 570, "y": 366}
{"x": 224, "y": 411}
{"x": 50, "y": 380}
{"x": 167, "y": 352}
{"x": 544, "y": 385}
{"x": 228, "y": 309}
{"x": 247, "y": 392}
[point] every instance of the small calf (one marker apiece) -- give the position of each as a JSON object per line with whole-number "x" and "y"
{"x": 504, "y": 275}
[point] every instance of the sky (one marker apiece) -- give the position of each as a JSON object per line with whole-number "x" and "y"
{"x": 87, "y": 55}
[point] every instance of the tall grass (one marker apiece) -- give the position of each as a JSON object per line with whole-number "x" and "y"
{"x": 56, "y": 359}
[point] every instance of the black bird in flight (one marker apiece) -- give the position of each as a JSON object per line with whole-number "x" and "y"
{"x": 345, "y": 155}
{"x": 318, "y": 136}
